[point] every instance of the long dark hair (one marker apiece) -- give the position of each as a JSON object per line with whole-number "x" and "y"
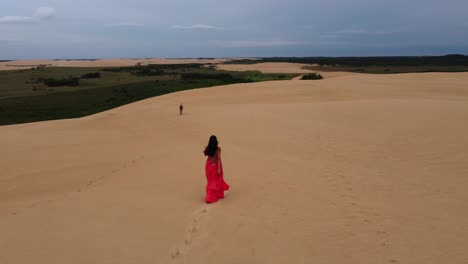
{"x": 212, "y": 147}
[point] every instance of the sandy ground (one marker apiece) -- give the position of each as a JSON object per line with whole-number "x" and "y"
{"x": 279, "y": 67}
{"x": 268, "y": 67}
{"x": 355, "y": 169}
{"x": 26, "y": 64}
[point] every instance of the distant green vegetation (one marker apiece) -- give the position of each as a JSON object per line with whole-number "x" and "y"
{"x": 91, "y": 75}
{"x": 400, "y": 64}
{"x": 157, "y": 68}
{"x": 447, "y": 60}
{"x": 66, "y": 81}
{"x": 312, "y": 76}
{"x": 389, "y": 69}
{"x": 48, "y": 93}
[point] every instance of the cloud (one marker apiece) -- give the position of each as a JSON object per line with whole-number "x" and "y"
{"x": 41, "y": 13}
{"x": 351, "y": 31}
{"x": 288, "y": 43}
{"x": 44, "y": 12}
{"x": 259, "y": 43}
{"x": 359, "y": 33}
{"x": 15, "y": 19}
{"x": 369, "y": 32}
{"x": 328, "y": 36}
{"x": 198, "y": 26}
{"x": 125, "y": 24}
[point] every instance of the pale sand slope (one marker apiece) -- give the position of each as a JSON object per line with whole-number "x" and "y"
{"x": 357, "y": 169}
{"x": 278, "y": 67}
{"x": 25, "y": 64}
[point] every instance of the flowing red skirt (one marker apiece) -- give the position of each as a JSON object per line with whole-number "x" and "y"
{"x": 216, "y": 185}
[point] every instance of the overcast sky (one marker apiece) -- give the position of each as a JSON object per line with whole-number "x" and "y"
{"x": 33, "y": 29}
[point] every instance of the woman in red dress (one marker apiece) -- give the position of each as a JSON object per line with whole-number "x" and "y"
{"x": 216, "y": 185}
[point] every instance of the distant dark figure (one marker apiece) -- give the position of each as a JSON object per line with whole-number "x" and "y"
{"x": 216, "y": 185}
{"x": 181, "y": 109}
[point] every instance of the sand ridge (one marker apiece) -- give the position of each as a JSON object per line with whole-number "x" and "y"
{"x": 356, "y": 169}
{"x": 26, "y": 64}
{"x": 279, "y": 67}
{"x": 267, "y": 67}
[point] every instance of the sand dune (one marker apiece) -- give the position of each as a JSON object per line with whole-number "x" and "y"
{"x": 356, "y": 169}
{"x": 267, "y": 67}
{"x": 278, "y": 67}
{"x": 26, "y": 64}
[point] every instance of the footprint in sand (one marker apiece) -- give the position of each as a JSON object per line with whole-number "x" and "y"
{"x": 175, "y": 253}
{"x": 95, "y": 181}
{"x": 385, "y": 244}
{"x": 359, "y": 214}
{"x": 381, "y": 232}
{"x": 192, "y": 229}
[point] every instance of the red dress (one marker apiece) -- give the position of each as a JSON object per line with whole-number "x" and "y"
{"x": 216, "y": 185}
